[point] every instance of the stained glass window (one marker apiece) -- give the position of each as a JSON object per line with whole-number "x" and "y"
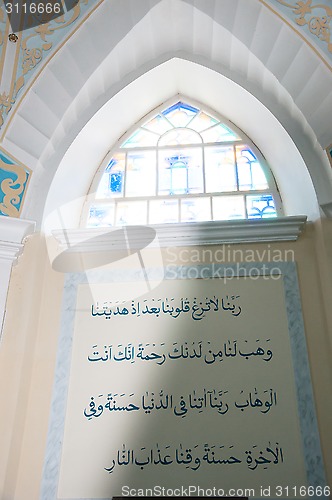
{"x": 183, "y": 164}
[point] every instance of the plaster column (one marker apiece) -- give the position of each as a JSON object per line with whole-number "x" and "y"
{"x": 12, "y": 238}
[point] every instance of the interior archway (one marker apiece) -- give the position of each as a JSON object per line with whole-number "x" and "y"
{"x": 70, "y": 93}
{"x": 175, "y": 77}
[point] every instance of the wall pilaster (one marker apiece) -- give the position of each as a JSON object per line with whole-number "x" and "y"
{"x": 13, "y": 233}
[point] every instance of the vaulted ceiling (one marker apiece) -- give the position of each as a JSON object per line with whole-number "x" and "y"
{"x": 71, "y": 88}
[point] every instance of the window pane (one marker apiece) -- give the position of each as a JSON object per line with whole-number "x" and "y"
{"x": 112, "y": 181}
{"x": 251, "y": 174}
{"x": 163, "y": 211}
{"x": 180, "y": 114}
{"x": 179, "y": 178}
{"x": 159, "y": 125}
{"x": 202, "y": 122}
{"x": 258, "y": 177}
{"x": 183, "y": 164}
{"x": 180, "y": 136}
{"x": 131, "y": 212}
{"x": 219, "y": 133}
{"x": 101, "y": 215}
{"x": 220, "y": 169}
{"x": 195, "y": 209}
{"x": 228, "y": 207}
{"x": 261, "y": 207}
{"x": 141, "y": 138}
{"x": 141, "y": 174}
{"x": 180, "y": 171}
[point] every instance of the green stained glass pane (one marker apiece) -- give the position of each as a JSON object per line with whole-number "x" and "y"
{"x": 101, "y": 215}
{"x": 250, "y": 173}
{"x": 141, "y": 138}
{"x": 219, "y": 133}
{"x": 220, "y": 169}
{"x": 228, "y": 207}
{"x": 261, "y": 207}
{"x": 159, "y": 125}
{"x": 141, "y": 174}
{"x": 164, "y": 211}
{"x": 131, "y": 212}
{"x": 179, "y": 136}
{"x": 195, "y": 209}
{"x": 112, "y": 182}
{"x": 180, "y": 114}
{"x": 203, "y": 121}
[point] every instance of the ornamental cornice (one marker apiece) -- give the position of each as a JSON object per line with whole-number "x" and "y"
{"x": 182, "y": 234}
{"x": 10, "y": 251}
{"x": 13, "y": 234}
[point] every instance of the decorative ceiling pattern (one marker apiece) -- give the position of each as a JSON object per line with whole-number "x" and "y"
{"x": 33, "y": 46}
{"x": 314, "y": 17}
{"x": 14, "y": 179}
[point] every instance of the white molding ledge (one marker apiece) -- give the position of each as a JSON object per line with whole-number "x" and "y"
{"x": 12, "y": 235}
{"x": 182, "y": 234}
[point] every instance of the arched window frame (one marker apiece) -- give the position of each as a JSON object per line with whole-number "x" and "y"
{"x": 245, "y": 140}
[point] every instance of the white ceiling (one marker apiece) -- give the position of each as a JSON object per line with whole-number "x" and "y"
{"x": 128, "y": 57}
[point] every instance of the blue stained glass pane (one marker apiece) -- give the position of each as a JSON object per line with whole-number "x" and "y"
{"x": 116, "y": 182}
{"x": 101, "y": 215}
{"x": 112, "y": 163}
{"x": 180, "y": 172}
{"x": 180, "y": 105}
{"x": 247, "y": 153}
{"x": 180, "y": 114}
{"x": 261, "y": 207}
{"x": 112, "y": 182}
{"x": 250, "y": 173}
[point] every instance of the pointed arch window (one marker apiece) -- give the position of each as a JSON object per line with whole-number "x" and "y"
{"x": 182, "y": 164}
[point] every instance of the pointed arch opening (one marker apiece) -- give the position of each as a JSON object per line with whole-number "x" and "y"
{"x": 183, "y": 162}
